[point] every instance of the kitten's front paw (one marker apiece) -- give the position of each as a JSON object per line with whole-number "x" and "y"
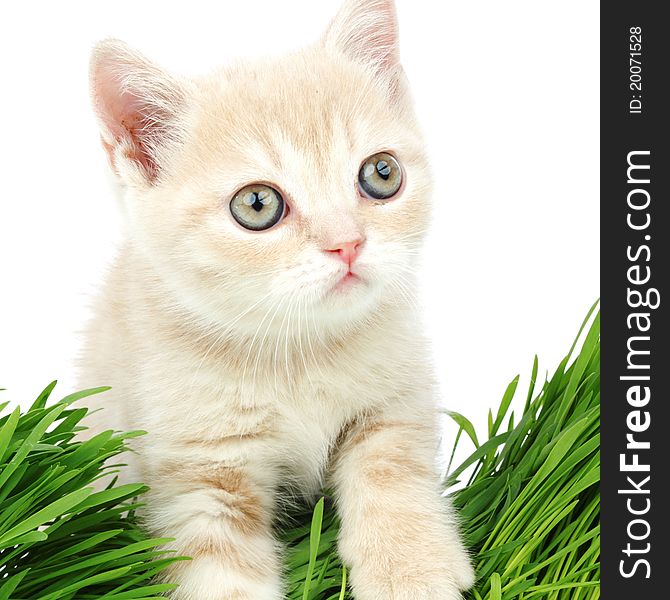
{"x": 207, "y": 580}
{"x": 407, "y": 590}
{"x": 416, "y": 568}
{"x": 423, "y": 584}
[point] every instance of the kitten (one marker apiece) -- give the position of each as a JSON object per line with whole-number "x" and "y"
{"x": 259, "y": 319}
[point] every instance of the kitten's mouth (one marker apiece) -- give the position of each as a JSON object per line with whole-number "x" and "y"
{"x": 348, "y": 281}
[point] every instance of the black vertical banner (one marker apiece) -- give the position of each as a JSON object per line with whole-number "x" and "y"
{"x": 635, "y": 250}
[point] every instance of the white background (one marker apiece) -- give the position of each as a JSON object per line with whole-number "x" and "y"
{"x": 507, "y": 93}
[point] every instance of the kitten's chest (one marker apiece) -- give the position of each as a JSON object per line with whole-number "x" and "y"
{"x": 288, "y": 417}
{"x": 309, "y": 426}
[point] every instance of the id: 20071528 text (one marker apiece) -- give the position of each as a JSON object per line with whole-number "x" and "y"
{"x": 635, "y": 70}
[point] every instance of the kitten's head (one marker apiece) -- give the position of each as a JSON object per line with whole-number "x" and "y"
{"x": 288, "y": 193}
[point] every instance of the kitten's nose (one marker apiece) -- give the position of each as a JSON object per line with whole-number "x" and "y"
{"x": 347, "y": 251}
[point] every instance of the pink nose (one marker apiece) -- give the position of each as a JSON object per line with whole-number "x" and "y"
{"x": 347, "y": 251}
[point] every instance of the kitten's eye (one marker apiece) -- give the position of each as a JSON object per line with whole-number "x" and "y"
{"x": 380, "y": 176}
{"x": 257, "y": 207}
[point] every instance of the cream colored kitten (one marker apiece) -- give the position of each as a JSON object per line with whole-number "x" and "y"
{"x": 259, "y": 320}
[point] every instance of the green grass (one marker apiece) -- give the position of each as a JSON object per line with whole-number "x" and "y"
{"x": 59, "y": 539}
{"x": 530, "y": 506}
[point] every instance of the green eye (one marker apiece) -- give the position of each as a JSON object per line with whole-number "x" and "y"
{"x": 380, "y": 176}
{"x": 257, "y": 207}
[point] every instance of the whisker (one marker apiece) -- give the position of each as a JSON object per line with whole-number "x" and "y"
{"x": 253, "y": 341}
{"x": 225, "y": 329}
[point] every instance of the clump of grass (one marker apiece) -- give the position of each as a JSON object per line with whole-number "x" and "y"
{"x": 530, "y": 509}
{"x": 60, "y": 539}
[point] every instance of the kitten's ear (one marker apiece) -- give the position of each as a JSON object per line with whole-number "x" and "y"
{"x": 367, "y": 31}
{"x": 138, "y": 106}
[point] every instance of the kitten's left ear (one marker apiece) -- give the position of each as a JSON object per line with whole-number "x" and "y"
{"x": 367, "y": 31}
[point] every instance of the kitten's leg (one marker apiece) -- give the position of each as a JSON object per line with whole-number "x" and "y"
{"x": 221, "y": 516}
{"x": 398, "y": 535}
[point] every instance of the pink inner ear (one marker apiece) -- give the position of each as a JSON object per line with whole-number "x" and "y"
{"x": 125, "y": 116}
